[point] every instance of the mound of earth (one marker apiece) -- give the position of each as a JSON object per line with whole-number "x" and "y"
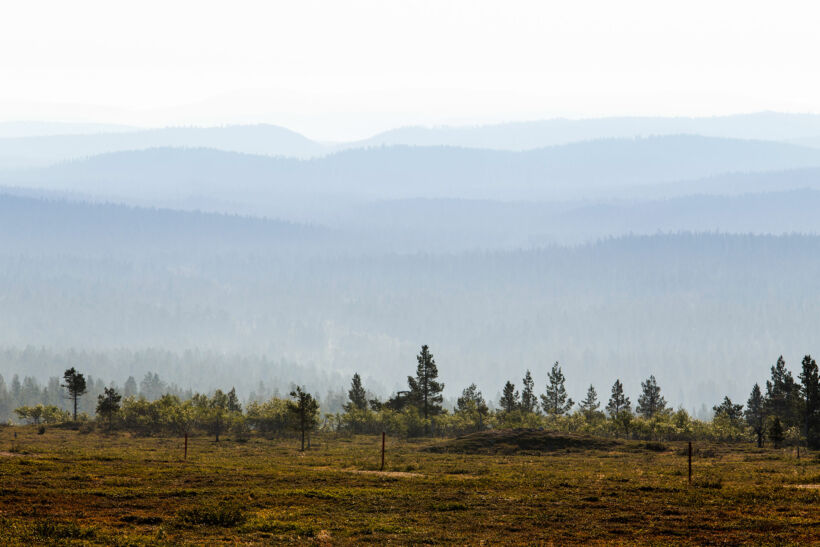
{"x": 512, "y": 441}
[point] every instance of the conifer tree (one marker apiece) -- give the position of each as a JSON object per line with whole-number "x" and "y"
{"x": 555, "y": 401}
{"x": 529, "y": 400}
{"x": 618, "y": 402}
{"x": 782, "y": 394}
{"x": 756, "y": 414}
{"x": 425, "y": 391}
{"x": 233, "y": 404}
{"x": 650, "y": 402}
{"x": 590, "y": 404}
{"x": 357, "y": 397}
{"x": 305, "y": 411}
{"x": 509, "y": 401}
{"x": 810, "y": 391}
{"x": 776, "y": 432}
{"x": 108, "y": 404}
{"x": 74, "y": 383}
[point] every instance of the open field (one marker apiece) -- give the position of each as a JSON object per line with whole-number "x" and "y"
{"x": 64, "y": 486}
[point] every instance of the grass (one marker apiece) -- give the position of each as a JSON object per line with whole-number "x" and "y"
{"x": 63, "y": 487}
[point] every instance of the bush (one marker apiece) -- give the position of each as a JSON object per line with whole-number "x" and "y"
{"x": 225, "y": 516}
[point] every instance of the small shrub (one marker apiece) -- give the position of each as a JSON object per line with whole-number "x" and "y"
{"x": 226, "y": 516}
{"x": 59, "y": 530}
{"x": 41, "y": 430}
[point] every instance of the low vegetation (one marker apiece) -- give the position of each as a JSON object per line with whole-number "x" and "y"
{"x": 101, "y": 488}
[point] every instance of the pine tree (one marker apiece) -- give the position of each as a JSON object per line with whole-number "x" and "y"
{"x": 425, "y": 391}
{"x": 472, "y": 403}
{"x": 782, "y": 394}
{"x": 756, "y": 414}
{"x": 729, "y": 411}
{"x": 75, "y": 385}
{"x": 356, "y": 395}
{"x": 108, "y": 404}
{"x": 617, "y": 401}
{"x": 233, "y": 404}
{"x": 471, "y": 399}
{"x": 305, "y": 411}
{"x": 555, "y": 401}
{"x": 529, "y": 400}
{"x": 590, "y": 405}
{"x": 509, "y": 398}
{"x": 130, "y": 388}
{"x": 776, "y": 432}
{"x": 810, "y": 391}
{"x": 650, "y": 402}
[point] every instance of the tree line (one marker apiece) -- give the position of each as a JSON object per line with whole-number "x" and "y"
{"x": 787, "y": 411}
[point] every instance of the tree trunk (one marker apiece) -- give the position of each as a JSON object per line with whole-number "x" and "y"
{"x": 75, "y": 407}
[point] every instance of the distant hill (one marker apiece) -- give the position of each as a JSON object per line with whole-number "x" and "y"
{"x": 268, "y": 140}
{"x": 205, "y": 178}
{"x": 772, "y": 126}
{"x": 29, "y": 224}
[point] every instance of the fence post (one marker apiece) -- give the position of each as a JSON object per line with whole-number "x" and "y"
{"x": 186, "y": 445}
{"x": 383, "y": 435}
{"x": 690, "y": 462}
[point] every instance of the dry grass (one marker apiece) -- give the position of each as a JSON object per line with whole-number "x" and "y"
{"x": 64, "y": 487}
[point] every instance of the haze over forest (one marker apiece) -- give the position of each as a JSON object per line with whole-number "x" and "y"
{"x": 686, "y": 248}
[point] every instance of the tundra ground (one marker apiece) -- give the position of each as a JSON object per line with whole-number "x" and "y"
{"x": 65, "y": 487}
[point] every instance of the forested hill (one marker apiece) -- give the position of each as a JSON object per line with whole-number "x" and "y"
{"x": 705, "y": 313}
{"x": 36, "y": 226}
{"x": 238, "y": 182}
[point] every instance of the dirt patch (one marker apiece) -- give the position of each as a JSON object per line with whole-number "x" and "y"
{"x": 514, "y": 441}
{"x": 805, "y": 486}
{"x": 4, "y": 454}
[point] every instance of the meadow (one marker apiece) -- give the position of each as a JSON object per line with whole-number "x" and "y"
{"x": 64, "y": 486}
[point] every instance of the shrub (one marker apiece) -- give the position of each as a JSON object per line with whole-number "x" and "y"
{"x": 226, "y": 516}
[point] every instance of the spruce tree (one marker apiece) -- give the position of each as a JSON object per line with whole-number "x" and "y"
{"x": 810, "y": 392}
{"x": 729, "y": 411}
{"x": 509, "y": 398}
{"x": 756, "y": 414}
{"x": 618, "y": 402}
{"x": 555, "y": 401}
{"x": 650, "y": 402}
{"x": 357, "y": 397}
{"x": 529, "y": 400}
{"x": 425, "y": 391}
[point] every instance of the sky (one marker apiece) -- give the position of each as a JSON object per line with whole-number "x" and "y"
{"x": 343, "y": 70}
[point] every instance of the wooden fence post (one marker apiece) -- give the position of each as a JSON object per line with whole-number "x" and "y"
{"x": 383, "y": 435}
{"x": 690, "y": 462}
{"x": 186, "y": 445}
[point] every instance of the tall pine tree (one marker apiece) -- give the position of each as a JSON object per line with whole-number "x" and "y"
{"x": 650, "y": 402}
{"x": 509, "y": 398}
{"x": 356, "y": 395}
{"x": 590, "y": 405}
{"x": 810, "y": 392}
{"x": 618, "y": 402}
{"x": 555, "y": 401}
{"x": 755, "y": 414}
{"x": 529, "y": 400}
{"x": 425, "y": 391}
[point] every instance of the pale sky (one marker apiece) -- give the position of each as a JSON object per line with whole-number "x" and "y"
{"x": 341, "y": 70}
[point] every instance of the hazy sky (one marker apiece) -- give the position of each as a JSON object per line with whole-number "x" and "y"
{"x": 343, "y": 69}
